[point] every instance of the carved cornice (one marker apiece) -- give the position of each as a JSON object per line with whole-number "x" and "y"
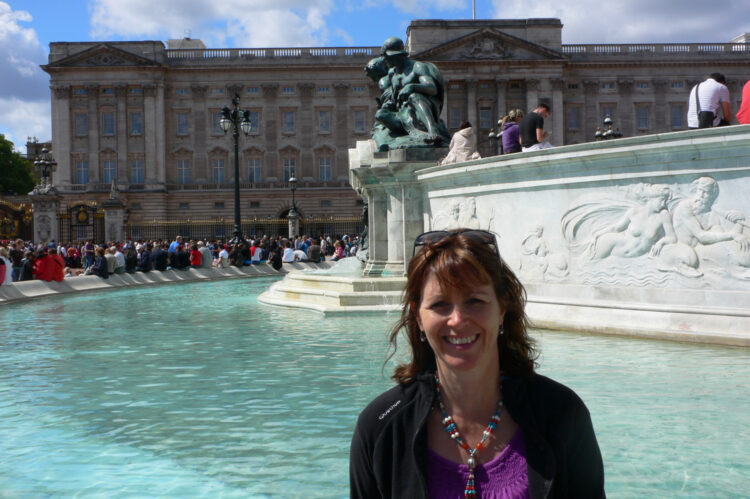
{"x": 660, "y": 84}
{"x": 341, "y": 88}
{"x": 270, "y": 89}
{"x": 61, "y": 91}
{"x": 306, "y": 88}
{"x": 625, "y": 85}
{"x": 198, "y": 91}
{"x": 234, "y": 89}
{"x": 590, "y": 86}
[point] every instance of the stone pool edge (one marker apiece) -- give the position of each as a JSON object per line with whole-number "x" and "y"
{"x": 29, "y": 290}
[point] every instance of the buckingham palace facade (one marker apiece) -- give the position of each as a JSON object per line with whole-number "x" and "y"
{"x": 147, "y": 115}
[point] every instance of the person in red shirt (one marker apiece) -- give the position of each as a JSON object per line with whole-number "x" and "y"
{"x": 195, "y": 256}
{"x": 50, "y": 267}
{"x": 743, "y": 115}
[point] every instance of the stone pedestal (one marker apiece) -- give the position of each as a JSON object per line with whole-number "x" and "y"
{"x": 46, "y": 224}
{"x": 388, "y": 181}
{"x": 293, "y": 224}
{"x": 114, "y": 220}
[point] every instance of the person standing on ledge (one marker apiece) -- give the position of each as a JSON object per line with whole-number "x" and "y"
{"x": 533, "y": 136}
{"x": 743, "y": 115}
{"x": 703, "y": 108}
{"x": 469, "y": 417}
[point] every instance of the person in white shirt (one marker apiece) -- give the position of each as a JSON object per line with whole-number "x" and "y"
{"x": 222, "y": 261}
{"x": 299, "y": 256}
{"x": 120, "y": 257}
{"x": 712, "y": 94}
{"x": 288, "y": 255}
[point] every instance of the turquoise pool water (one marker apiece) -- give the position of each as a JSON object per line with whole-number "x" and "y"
{"x": 196, "y": 390}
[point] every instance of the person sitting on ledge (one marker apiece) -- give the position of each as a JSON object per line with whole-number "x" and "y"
{"x": 533, "y": 136}
{"x": 99, "y": 268}
{"x": 463, "y": 145}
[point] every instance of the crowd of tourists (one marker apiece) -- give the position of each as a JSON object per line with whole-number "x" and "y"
{"x": 24, "y": 261}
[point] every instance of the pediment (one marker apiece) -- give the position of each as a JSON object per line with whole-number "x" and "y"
{"x": 103, "y": 55}
{"x": 488, "y": 44}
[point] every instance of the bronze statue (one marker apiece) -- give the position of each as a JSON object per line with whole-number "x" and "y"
{"x": 411, "y": 100}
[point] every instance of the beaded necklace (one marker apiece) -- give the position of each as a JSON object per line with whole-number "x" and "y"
{"x": 470, "y": 492}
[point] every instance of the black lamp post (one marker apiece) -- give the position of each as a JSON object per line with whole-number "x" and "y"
{"x": 497, "y": 136}
{"x": 293, "y": 215}
{"x": 236, "y": 118}
{"x": 45, "y": 164}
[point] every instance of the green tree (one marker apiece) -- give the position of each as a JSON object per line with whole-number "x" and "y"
{"x": 16, "y": 173}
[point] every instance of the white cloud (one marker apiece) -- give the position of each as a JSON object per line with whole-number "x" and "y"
{"x": 593, "y": 21}
{"x": 238, "y": 22}
{"x": 20, "y": 119}
{"x": 421, "y": 8}
{"x": 20, "y": 56}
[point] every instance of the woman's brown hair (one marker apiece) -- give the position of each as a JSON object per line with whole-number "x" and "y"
{"x": 461, "y": 261}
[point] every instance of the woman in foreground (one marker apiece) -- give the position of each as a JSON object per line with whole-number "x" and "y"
{"x": 469, "y": 417}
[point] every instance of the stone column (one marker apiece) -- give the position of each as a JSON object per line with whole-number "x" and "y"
{"x": 61, "y": 136}
{"x": 501, "y": 84}
{"x": 395, "y": 221}
{"x": 471, "y": 102}
{"x": 413, "y": 219}
{"x": 197, "y": 127}
{"x": 306, "y": 170}
{"x": 590, "y": 114}
{"x": 46, "y": 224}
{"x": 92, "y": 94}
{"x": 121, "y": 92}
{"x": 558, "y": 112}
{"x": 149, "y": 124}
{"x": 377, "y": 231}
{"x": 160, "y": 133}
{"x": 662, "y": 121}
{"x": 271, "y": 131}
{"x": 532, "y": 94}
{"x": 293, "y": 224}
{"x": 625, "y": 109}
{"x": 114, "y": 219}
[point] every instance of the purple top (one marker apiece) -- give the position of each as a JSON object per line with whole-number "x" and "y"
{"x": 510, "y": 137}
{"x": 504, "y": 477}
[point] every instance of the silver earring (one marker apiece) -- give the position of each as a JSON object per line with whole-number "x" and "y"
{"x": 422, "y": 336}
{"x": 502, "y": 330}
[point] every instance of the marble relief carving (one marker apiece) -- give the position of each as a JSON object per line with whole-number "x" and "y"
{"x": 461, "y": 213}
{"x": 644, "y": 235}
{"x": 487, "y": 48}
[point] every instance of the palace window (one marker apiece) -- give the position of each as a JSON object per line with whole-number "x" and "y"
{"x": 218, "y": 171}
{"x": 290, "y": 168}
{"x": 359, "y": 121}
{"x": 678, "y": 84}
{"x": 254, "y": 204}
{"x": 136, "y": 171}
{"x": 324, "y": 121}
{"x": 287, "y": 90}
{"x": 136, "y": 123}
{"x": 359, "y": 89}
{"x": 219, "y": 205}
{"x": 79, "y": 91}
{"x": 253, "y": 90}
{"x": 183, "y": 171}
{"x": 82, "y": 172}
{"x": 573, "y": 86}
{"x": 574, "y": 118}
{"x": 608, "y": 110}
{"x": 325, "y": 203}
{"x": 287, "y": 122}
{"x": 608, "y": 85}
{"x": 253, "y": 167}
{"x": 216, "y": 123}
{"x": 641, "y": 84}
{"x": 454, "y": 117}
{"x": 183, "y": 123}
{"x": 254, "y": 121}
{"x": 110, "y": 170}
{"x": 642, "y": 117}
{"x": 181, "y": 91}
{"x": 485, "y": 118}
{"x": 324, "y": 90}
{"x": 108, "y": 91}
{"x": 82, "y": 124}
{"x": 184, "y": 206}
{"x": 108, "y": 123}
{"x": 217, "y": 91}
{"x": 135, "y": 90}
{"x": 677, "y": 116}
{"x": 325, "y": 169}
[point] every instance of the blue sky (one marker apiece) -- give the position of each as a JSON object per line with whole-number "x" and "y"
{"x": 27, "y": 27}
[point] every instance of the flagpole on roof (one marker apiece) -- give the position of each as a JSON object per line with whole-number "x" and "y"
{"x": 474, "y": 4}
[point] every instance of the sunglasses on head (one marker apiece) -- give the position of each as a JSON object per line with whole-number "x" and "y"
{"x": 434, "y": 236}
